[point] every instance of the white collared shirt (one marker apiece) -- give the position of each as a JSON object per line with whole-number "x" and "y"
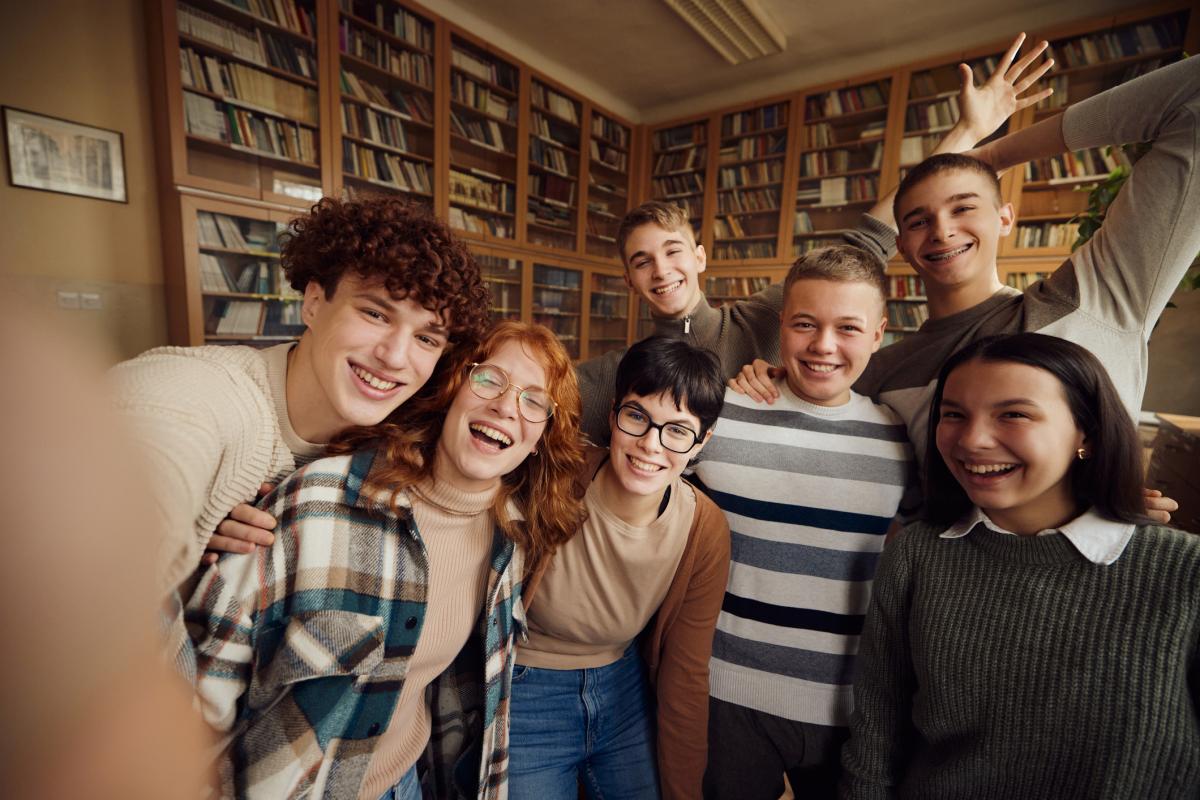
{"x": 1099, "y": 540}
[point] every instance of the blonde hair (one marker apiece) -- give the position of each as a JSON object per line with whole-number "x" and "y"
{"x": 667, "y": 216}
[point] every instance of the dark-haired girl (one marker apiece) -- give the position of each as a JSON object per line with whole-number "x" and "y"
{"x": 648, "y": 568}
{"x": 1035, "y": 639}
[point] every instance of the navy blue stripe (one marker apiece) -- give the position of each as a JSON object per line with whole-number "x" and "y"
{"x": 832, "y": 668}
{"x": 799, "y": 559}
{"x": 799, "y": 420}
{"x": 788, "y": 617}
{"x": 847, "y": 521}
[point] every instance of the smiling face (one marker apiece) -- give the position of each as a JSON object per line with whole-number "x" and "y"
{"x": 364, "y": 353}
{"x": 950, "y": 228}
{"x": 483, "y": 440}
{"x": 829, "y": 329}
{"x": 1007, "y": 436}
{"x": 664, "y": 268}
{"x": 641, "y": 464}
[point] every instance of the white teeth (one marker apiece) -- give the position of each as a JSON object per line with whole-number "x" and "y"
{"x": 378, "y": 383}
{"x": 491, "y": 433}
{"x": 642, "y": 465}
{"x": 987, "y": 469}
{"x": 668, "y": 288}
{"x": 820, "y": 367}
{"x": 950, "y": 254}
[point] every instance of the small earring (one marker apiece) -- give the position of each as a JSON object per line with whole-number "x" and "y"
{"x": 534, "y": 453}
{"x": 1083, "y": 454}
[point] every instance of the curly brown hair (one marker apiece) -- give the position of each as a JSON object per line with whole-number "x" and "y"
{"x": 392, "y": 240}
{"x": 542, "y": 487}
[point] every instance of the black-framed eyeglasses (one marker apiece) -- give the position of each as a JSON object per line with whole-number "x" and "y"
{"x": 675, "y": 437}
{"x": 489, "y": 382}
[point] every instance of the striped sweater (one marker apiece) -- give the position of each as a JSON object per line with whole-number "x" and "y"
{"x": 809, "y": 493}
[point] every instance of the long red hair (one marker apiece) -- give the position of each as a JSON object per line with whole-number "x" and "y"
{"x": 542, "y": 486}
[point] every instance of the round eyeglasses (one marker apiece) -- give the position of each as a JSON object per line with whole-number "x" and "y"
{"x": 675, "y": 437}
{"x": 489, "y": 382}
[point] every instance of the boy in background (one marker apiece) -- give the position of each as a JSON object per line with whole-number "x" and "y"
{"x": 809, "y": 486}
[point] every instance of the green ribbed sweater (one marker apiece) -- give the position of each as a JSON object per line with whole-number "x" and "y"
{"x": 998, "y": 666}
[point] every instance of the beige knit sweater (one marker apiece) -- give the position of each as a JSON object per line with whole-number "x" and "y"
{"x": 213, "y": 425}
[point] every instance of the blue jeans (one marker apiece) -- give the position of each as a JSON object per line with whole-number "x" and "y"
{"x": 407, "y": 788}
{"x": 589, "y": 726}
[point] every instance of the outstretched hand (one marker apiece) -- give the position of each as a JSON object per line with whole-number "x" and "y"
{"x": 983, "y": 109}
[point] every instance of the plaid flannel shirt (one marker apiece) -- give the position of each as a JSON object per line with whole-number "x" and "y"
{"x": 302, "y": 647}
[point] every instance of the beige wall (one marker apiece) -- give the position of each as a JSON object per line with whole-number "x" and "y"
{"x": 84, "y": 61}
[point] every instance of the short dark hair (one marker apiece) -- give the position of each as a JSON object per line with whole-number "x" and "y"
{"x": 400, "y": 244}
{"x": 936, "y": 165}
{"x": 842, "y": 263}
{"x": 1110, "y": 480}
{"x": 692, "y": 376}
{"x": 667, "y": 216}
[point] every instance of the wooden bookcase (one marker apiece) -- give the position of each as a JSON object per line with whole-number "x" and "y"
{"x": 679, "y": 155}
{"x": 750, "y": 179}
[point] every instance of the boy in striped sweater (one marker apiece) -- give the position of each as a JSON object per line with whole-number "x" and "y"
{"x": 809, "y": 486}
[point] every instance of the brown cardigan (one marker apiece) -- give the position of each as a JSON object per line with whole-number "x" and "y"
{"x": 677, "y": 642}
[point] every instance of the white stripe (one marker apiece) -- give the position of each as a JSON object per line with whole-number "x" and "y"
{"x": 802, "y": 489}
{"x": 809, "y": 439}
{"x": 795, "y": 638}
{"x": 799, "y": 591}
{"x": 791, "y": 698}
{"x": 806, "y": 535}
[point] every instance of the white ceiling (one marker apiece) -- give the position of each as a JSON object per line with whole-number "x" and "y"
{"x": 642, "y": 61}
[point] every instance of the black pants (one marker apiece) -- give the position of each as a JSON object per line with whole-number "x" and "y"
{"x": 750, "y": 751}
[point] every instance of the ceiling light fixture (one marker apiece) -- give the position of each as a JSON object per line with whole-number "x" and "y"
{"x": 737, "y": 29}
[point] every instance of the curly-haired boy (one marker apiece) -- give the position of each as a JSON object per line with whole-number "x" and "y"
{"x": 387, "y": 290}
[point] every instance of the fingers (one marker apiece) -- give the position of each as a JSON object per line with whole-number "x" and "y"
{"x": 265, "y": 489}
{"x": 742, "y": 384}
{"x": 1034, "y": 76}
{"x": 252, "y": 534}
{"x": 1158, "y": 507}
{"x": 966, "y": 77}
{"x": 1009, "y": 54}
{"x": 252, "y": 516}
{"x": 1015, "y": 71}
{"x": 1025, "y": 102}
{"x": 210, "y": 559}
{"x": 227, "y": 544}
{"x": 1161, "y": 517}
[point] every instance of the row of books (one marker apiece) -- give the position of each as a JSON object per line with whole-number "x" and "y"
{"x": 614, "y": 132}
{"x": 769, "y": 144}
{"x": 225, "y": 274}
{"x": 502, "y": 75}
{"x": 606, "y": 186}
{"x": 609, "y": 156}
{"x": 412, "y": 67}
{"x": 486, "y": 132}
{"x": 736, "y": 251}
{"x": 838, "y": 191}
{"x": 1132, "y": 40}
{"x": 845, "y": 101}
{"x": 389, "y": 168}
{"x": 733, "y": 226}
{"x": 481, "y": 98}
{"x": 680, "y": 136}
{"x": 802, "y": 246}
{"x": 465, "y": 220}
{"x": 560, "y": 280}
{"x": 743, "y": 122}
{"x": 905, "y": 286}
{"x": 610, "y": 308}
{"x": 549, "y": 157}
{"x": 555, "y": 103}
{"x": 213, "y": 120}
{"x": 598, "y": 204}
{"x": 492, "y": 193}
{"x": 744, "y": 200}
{"x": 253, "y": 318}
{"x": 366, "y": 123}
{"x": 750, "y": 174}
{"x": 602, "y": 228}
{"x": 289, "y": 14}
{"x": 736, "y": 286}
{"x": 554, "y": 129}
{"x": 252, "y": 44}
{"x": 945, "y": 79}
{"x": 1047, "y": 234}
{"x": 1095, "y": 163}
{"x": 679, "y": 160}
{"x": 1061, "y": 84}
{"x": 823, "y": 134}
{"x": 395, "y": 20}
{"x": 236, "y": 233}
{"x": 552, "y": 214}
{"x": 915, "y": 149}
{"x": 412, "y": 105}
{"x": 247, "y": 84}
{"x": 932, "y": 115}
{"x": 1023, "y": 280}
{"x": 674, "y": 185}
{"x": 552, "y": 188}
{"x": 692, "y": 204}
{"x": 824, "y": 162}
{"x": 907, "y": 315}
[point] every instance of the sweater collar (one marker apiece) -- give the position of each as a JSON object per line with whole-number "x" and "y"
{"x": 703, "y": 324}
{"x": 1099, "y": 540}
{"x": 969, "y": 316}
{"x": 277, "y": 364}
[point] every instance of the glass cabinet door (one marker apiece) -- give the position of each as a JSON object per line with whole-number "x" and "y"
{"x": 503, "y": 278}
{"x": 608, "y": 319}
{"x": 557, "y": 295}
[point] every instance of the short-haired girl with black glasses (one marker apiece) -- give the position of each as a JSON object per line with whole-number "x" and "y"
{"x": 611, "y": 688}
{"x": 1036, "y": 638}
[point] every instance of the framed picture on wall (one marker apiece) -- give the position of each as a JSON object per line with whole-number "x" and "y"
{"x": 56, "y": 155}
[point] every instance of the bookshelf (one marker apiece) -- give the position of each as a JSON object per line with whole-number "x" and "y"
{"x": 484, "y": 110}
{"x": 555, "y": 139}
{"x": 1049, "y": 193}
{"x": 558, "y": 303}
{"x": 609, "y": 146}
{"x": 721, "y": 289}
{"x": 907, "y": 308}
{"x": 505, "y": 279}
{"x": 750, "y": 168}
{"x": 679, "y": 159}
{"x": 841, "y": 160}
{"x": 608, "y": 318}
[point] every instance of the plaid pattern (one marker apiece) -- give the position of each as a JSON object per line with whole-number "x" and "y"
{"x": 302, "y": 648}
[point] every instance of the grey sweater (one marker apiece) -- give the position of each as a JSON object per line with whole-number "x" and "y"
{"x": 737, "y": 332}
{"x": 1109, "y": 293}
{"x": 1001, "y": 666}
